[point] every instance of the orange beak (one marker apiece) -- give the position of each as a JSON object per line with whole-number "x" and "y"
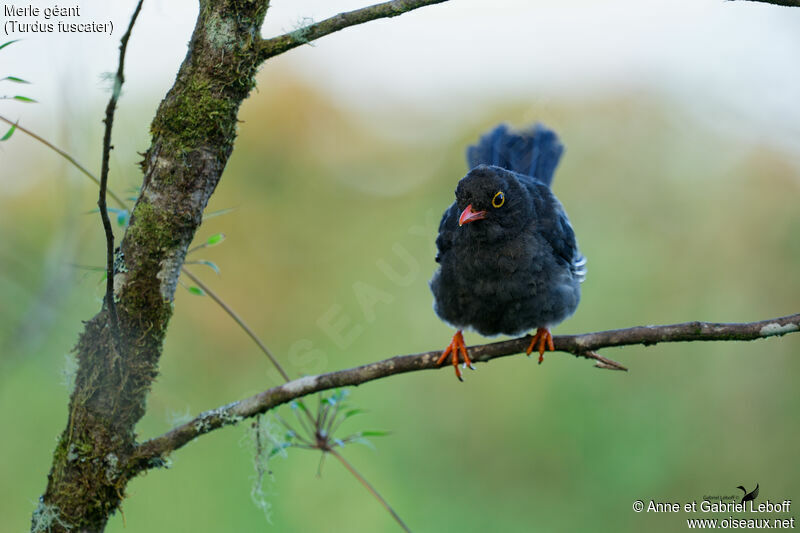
{"x": 468, "y": 215}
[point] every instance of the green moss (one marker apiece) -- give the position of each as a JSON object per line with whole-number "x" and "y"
{"x": 87, "y": 474}
{"x": 60, "y": 454}
{"x": 201, "y": 109}
{"x": 197, "y": 116}
{"x": 149, "y": 226}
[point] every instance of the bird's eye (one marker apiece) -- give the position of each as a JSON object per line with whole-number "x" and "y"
{"x": 499, "y": 199}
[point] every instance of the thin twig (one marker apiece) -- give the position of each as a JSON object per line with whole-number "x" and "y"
{"x": 788, "y": 3}
{"x": 332, "y": 420}
{"x": 578, "y": 345}
{"x": 322, "y": 413}
{"x": 307, "y": 429}
{"x": 66, "y": 156}
{"x": 370, "y": 488}
{"x": 238, "y": 320}
{"x": 282, "y": 43}
{"x": 119, "y": 79}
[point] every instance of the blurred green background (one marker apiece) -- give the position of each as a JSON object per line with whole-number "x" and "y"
{"x": 679, "y": 220}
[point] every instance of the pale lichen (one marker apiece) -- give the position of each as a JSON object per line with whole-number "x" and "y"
{"x": 45, "y": 517}
{"x": 302, "y": 30}
{"x": 267, "y": 440}
{"x": 222, "y": 416}
{"x": 221, "y": 32}
{"x": 175, "y": 418}
{"x": 300, "y": 385}
{"x": 774, "y": 328}
{"x": 69, "y": 371}
{"x": 112, "y": 468}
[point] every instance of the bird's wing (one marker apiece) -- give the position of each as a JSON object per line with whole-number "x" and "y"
{"x": 554, "y": 226}
{"x": 447, "y": 228}
{"x": 755, "y": 492}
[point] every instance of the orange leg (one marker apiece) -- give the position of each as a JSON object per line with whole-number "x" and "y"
{"x": 543, "y": 338}
{"x": 456, "y": 345}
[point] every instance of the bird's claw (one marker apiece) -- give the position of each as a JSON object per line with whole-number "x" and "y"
{"x": 544, "y": 339}
{"x": 455, "y": 347}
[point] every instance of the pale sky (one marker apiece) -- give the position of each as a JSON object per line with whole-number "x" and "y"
{"x": 714, "y": 58}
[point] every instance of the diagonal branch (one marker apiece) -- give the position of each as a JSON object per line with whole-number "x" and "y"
{"x": 236, "y": 318}
{"x": 370, "y": 488}
{"x": 788, "y": 3}
{"x": 119, "y": 79}
{"x": 65, "y": 155}
{"x": 278, "y": 45}
{"x": 150, "y": 453}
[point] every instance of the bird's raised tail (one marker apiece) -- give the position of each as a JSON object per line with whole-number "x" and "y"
{"x": 534, "y": 151}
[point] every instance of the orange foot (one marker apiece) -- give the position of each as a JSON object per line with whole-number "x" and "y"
{"x": 456, "y": 345}
{"x": 543, "y": 337}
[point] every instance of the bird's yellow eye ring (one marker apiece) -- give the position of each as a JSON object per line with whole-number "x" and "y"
{"x": 499, "y": 199}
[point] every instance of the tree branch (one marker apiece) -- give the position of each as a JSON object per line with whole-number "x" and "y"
{"x": 789, "y": 3}
{"x": 151, "y": 453}
{"x": 65, "y": 155}
{"x": 361, "y": 479}
{"x": 239, "y": 320}
{"x": 119, "y": 79}
{"x": 312, "y": 32}
{"x": 193, "y": 134}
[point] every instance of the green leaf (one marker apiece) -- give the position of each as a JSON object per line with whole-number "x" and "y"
{"x": 25, "y": 99}
{"x": 374, "y": 433}
{"x": 15, "y": 79}
{"x": 299, "y": 403}
{"x": 197, "y": 290}
{"x": 209, "y": 264}
{"x": 337, "y": 396}
{"x": 278, "y": 449}
{"x": 8, "y": 43}
{"x": 217, "y": 213}
{"x": 9, "y": 133}
{"x": 215, "y": 239}
{"x": 352, "y": 412}
{"x": 361, "y": 440}
{"x": 90, "y": 268}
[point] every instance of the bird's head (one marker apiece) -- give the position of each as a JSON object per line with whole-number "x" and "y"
{"x": 492, "y": 202}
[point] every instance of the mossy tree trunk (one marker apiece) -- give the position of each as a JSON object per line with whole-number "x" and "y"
{"x": 192, "y": 138}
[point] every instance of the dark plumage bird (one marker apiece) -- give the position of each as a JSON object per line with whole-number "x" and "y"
{"x": 508, "y": 258}
{"x": 748, "y": 496}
